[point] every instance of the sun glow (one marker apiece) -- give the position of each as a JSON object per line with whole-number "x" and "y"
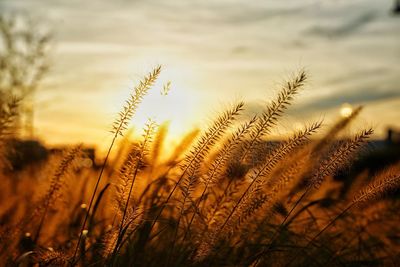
{"x": 176, "y": 105}
{"x": 346, "y": 110}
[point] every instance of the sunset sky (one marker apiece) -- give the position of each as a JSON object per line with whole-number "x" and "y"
{"x": 213, "y": 52}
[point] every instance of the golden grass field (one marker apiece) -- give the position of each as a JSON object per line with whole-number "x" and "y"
{"x": 231, "y": 194}
{"x": 224, "y": 197}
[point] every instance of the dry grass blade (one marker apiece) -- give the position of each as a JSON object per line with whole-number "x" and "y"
{"x": 191, "y": 165}
{"x": 56, "y": 183}
{"x": 129, "y": 172}
{"x": 118, "y": 127}
{"x": 216, "y": 169}
{"x": 256, "y": 177}
{"x": 209, "y": 138}
{"x": 217, "y": 166}
{"x": 276, "y": 108}
{"x": 384, "y": 183}
{"x": 339, "y": 157}
{"x": 196, "y": 155}
{"x": 389, "y": 180}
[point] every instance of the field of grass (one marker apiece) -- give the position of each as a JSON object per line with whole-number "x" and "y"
{"x": 226, "y": 196}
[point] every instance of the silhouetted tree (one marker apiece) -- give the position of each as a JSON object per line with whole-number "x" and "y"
{"x": 23, "y": 63}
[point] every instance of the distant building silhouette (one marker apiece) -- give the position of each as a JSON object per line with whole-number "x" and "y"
{"x": 396, "y": 8}
{"x": 393, "y": 137}
{"x": 25, "y": 152}
{"x": 22, "y": 153}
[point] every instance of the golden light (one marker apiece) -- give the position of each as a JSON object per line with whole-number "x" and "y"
{"x": 171, "y": 100}
{"x": 346, "y": 110}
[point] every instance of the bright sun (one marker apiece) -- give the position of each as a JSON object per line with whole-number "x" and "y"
{"x": 178, "y": 107}
{"x": 346, "y": 110}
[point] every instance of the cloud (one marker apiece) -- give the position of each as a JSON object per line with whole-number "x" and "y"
{"x": 361, "y": 96}
{"x": 92, "y": 48}
{"x": 345, "y": 29}
{"x": 230, "y": 47}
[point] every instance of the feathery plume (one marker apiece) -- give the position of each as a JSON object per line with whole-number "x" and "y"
{"x": 56, "y": 183}
{"x": 257, "y": 175}
{"x": 217, "y": 166}
{"x": 384, "y": 183}
{"x": 191, "y": 165}
{"x": 339, "y": 157}
{"x": 134, "y": 163}
{"x": 118, "y": 127}
{"x": 127, "y": 112}
{"x": 192, "y": 161}
{"x": 276, "y": 108}
{"x": 166, "y": 88}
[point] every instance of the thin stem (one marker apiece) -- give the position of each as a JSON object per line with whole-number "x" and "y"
{"x": 197, "y": 206}
{"x": 92, "y": 199}
{"x": 126, "y": 208}
{"x": 258, "y": 257}
{"x": 320, "y": 232}
{"x": 41, "y": 223}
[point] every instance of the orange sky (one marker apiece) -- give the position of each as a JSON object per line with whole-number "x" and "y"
{"x": 213, "y": 52}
